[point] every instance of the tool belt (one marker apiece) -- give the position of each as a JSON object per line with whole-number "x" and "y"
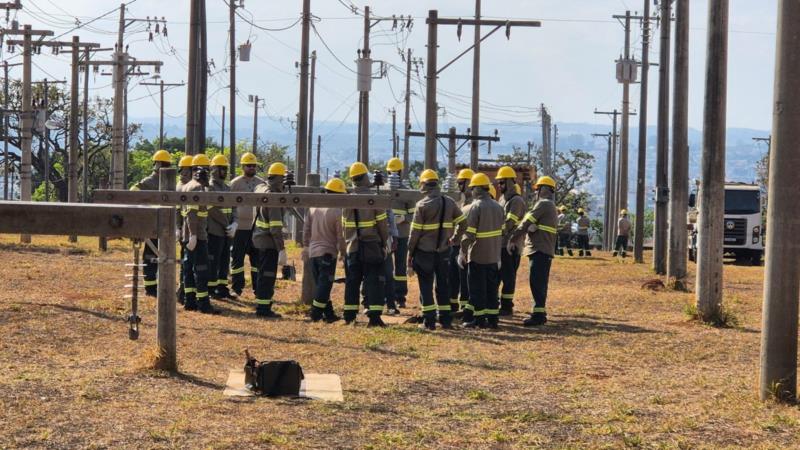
{"x": 272, "y": 378}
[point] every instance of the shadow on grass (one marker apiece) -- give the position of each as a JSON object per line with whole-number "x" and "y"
{"x": 199, "y": 382}
{"x": 76, "y": 309}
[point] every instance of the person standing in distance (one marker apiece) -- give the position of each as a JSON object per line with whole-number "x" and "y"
{"x": 245, "y": 220}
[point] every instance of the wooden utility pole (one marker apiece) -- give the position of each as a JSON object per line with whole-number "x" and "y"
{"x": 301, "y": 162}
{"x": 712, "y": 176}
{"x": 192, "y": 87}
{"x": 641, "y": 166}
{"x": 782, "y": 279}
{"x": 476, "y": 90}
{"x": 166, "y": 314}
{"x": 679, "y": 182}
{"x": 232, "y": 91}
{"x": 662, "y": 150}
{"x": 431, "y": 106}
{"x": 161, "y": 85}
{"x": 311, "y": 110}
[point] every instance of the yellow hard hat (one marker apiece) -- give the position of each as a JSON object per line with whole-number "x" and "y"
{"x": 505, "y": 172}
{"x": 546, "y": 181}
{"x": 219, "y": 161}
{"x": 185, "y": 162}
{"x": 428, "y": 175}
{"x": 200, "y": 160}
{"x": 518, "y": 189}
{"x": 162, "y": 156}
{"x": 394, "y": 165}
{"x": 248, "y": 159}
{"x": 278, "y": 169}
{"x": 465, "y": 174}
{"x": 336, "y": 185}
{"x": 624, "y": 212}
{"x": 581, "y": 211}
{"x": 358, "y": 168}
{"x": 562, "y": 208}
{"x": 480, "y": 179}
{"x": 493, "y": 191}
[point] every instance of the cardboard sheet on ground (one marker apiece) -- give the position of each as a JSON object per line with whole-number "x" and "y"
{"x": 316, "y": 386}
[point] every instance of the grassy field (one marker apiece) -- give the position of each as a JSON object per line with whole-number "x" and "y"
{"x": 617, "y": 366}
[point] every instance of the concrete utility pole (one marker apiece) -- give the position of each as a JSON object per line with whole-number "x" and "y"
{"x": 607, "y": 216}
{"x": 311, "y": 110}
{"x": 364, "y": 94}
{"x": 622, "y": 194}
{"x": 476, "y": 90}
{"x": 546, "y": 156}
{"x": 222, "y": 133}
{"x": 161, "y": 85}
{"x": 6, "y": 163}
{"x": 431, "y": 105}
{"x": 782, "y": 279}
{"x": 407, "y": 122}
{"x": 255, "y": 99}
{"x": 712, "y": 177}
{"x": 301, "y": 162}
{"x": 74, "y": 130}
{"x": 662, "y": 151}
{"x": 394, "y": 133}
{"x": 232, "y": 91}
{"x": 641, "y": 166}
{"x": 451, "y": 150}
{"x": 192, "y": 78}
{"x": 679, "y": 182}
{"x": 610, "y": 231}
{"x": 319, "y": 149}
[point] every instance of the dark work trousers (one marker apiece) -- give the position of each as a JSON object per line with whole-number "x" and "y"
{"x": 564, "y": 243}
{"x": 621, "y": 245}
{"x": 181, "y": 291}
{"x": 389, "y": 285}
{"x": 400, "y": 277}
{"x": 457, "y": 281}
{"x": 267, "y": 274}
{"x": 540, "y": 279}
{"x": 508, "y": 276}
{"x": 195, "y": 272}
{"x": 483, "y": 283}
{"x": 218, "y": 263}
{"x": 372, "y": 275}
{"x": 323, "y": 268}
{"x": 243, "y": 245}
{"x": 583, "y": 243}
{"x": 440, "y": 275}
{"x": 150, "y": 271}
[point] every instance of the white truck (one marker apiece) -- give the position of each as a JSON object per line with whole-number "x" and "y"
{"x": 744, "y": 228}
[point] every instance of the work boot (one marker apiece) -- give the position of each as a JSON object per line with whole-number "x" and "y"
{"x": 569, "y": 251}
{"x": 316, "y": 314}
{"x": 181, "y": 295}
{"x": 393, "y": 311}
{"x": 588, "y": 253}
{"x": 401, "y": 303}
{"x": 624, "y": 255}
{"x": 190, "y": 302}
{"x": 477, "y": 322}
{"x": 536, "y": 319}
{"x": 375, "y": 321}
{"x": 506, "y": 307}
{"x": 266, "y": 312}
{"x": 237, "y": 293}
{"x": 205, "y": 307}
{"x": 429, "y": 324}
{"x": 446, "y": 321}
{"x": 329, "y": 315}
{"x": 580, "y": 253}
{"x": 492, "y": 323}
{"x": 151, "y": 291}
{"x": 614, "y": 254}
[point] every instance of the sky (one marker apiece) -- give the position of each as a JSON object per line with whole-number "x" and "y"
{"x": 567, "y": 64}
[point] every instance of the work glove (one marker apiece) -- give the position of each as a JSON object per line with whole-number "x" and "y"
{"x": 282, "y": 258}
{"x": 192, "y": 243}
{"x": 462, "y": 260}
{"x": 533, "y": 228}
{"x": 511, "y": 248}
{"x": 230, "y": 230}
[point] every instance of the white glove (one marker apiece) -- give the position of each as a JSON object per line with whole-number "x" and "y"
{"x": 231, "y": 229}
{"x": 192, "y": 243}
{"x": 499, "y": 265}
{"x": 178, "y": 235}
{"x": 282, "y": 258}
{"x": 399, "y": 219}
{"x": 462, "y": 261}
{"x": 533, "y": 228}
{"x": 511, "y": 248}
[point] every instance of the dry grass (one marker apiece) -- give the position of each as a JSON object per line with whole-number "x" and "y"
{"x": 617, "y": 366}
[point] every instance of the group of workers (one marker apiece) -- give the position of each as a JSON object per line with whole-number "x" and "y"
{"x": 465, "y": 253}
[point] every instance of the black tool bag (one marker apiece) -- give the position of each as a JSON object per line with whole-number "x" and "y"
{"x": 425, "y": 262}
{"x": 272, "y": 378}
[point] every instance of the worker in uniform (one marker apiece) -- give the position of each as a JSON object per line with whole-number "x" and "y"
{"x": 457, "y": 279}
{"x": 514, "y": 208}
{"x": 323, "y": 244}
{"x": 539, "y": 228}
{"x": 185, "y": 176}
{"x": 195, "y": 238}
{"x": 403, "y": 211}
{"x": 268, "y": 239}
{"x": 492, "y": 192}
{"x": 245, "y": 218}
{"x": 161, "y": 159}
{"x": 432, "y": 229}
{"x": 480, "y": 251}
{"x": 564, "y": 232}
{"x": 583, "y": 233}
{"x": 367, "y": 235}
{"x": 221, "y": 229}
{"x": 623, "y": 233}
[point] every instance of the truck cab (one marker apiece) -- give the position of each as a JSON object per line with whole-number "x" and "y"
{"x": 743, "y": 223}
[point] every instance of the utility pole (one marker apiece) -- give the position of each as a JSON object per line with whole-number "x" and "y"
{"x": 611, "y": 231}
{"x": 366, "y": 55}
{"x": 8, "y": 6}
{"x": 192, "y": 78}
{"x": 431, "y": 106}
{"x": 712, "y": 177}
{"x": 222, "y": 133}
{"x": 407, "y": 122}
{"x": 394, "y": 133}
{"x": 546, "y": 157}
{"x": 302, "y": 115}
{"x": 44, "y": 137}
{"x": 662, "y": 150}
{"x": 679, "y": 181}
{"x": 476, "y": 90}
{"x": 161, "y": 85}
{"x": 74, "y": 143}
{"x": 255, "y": 99}
{"x": 641, "y": 169}
{"x": 319, "y": 149}
{"x": 232, "y": 91}
{"x": 782, "y": 280}
{"x": 451, "y": 151}
{"x": 311, "y": 110}
{"x": 607, "y": 217}
{"x": 628, "y": 74}
{"x": 555, "y": 147}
